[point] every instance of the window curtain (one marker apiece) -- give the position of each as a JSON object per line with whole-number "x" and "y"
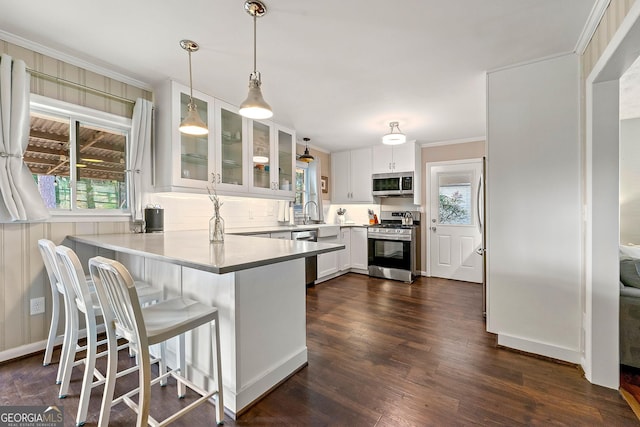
{"x": 315, "y": 188}
{"x": 141, "y": 123}
{"x": 21, "y": 200}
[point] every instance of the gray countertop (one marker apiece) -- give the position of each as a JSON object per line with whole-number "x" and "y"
{"x": 192, "y": 249}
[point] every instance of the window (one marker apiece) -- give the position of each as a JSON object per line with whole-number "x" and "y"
{"x": 455, "y": 199}
{"x": 78, "y": 157}
{"x": 302, "y": 187}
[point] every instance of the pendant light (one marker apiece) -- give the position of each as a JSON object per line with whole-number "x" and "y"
{"x": 192, "y": 123}
{"x": 394, "y": 138}
{"x": 306, "y": 157}
{"x": 255, "y": 107}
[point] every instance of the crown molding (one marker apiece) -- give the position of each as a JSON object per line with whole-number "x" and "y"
{"x": 597, "y": 12}
{"x": 72, "y": 60}
{"x": 454, "y": 141}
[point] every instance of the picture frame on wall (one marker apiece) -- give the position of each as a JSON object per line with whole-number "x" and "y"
{"x": 324, "y": 180}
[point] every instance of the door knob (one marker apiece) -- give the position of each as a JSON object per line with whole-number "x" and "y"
{"x": 433, "y": 229}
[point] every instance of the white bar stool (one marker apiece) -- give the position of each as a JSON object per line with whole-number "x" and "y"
{"x": 146, "y": 326}
{"x": 46, "y": 248}
{"x": 79, "y": 297}
{"x": 47, "y": 251}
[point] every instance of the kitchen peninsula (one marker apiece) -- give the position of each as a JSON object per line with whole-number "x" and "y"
{"x": 257, "y": 284}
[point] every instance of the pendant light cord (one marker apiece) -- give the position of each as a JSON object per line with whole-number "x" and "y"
{"x": 190, "y": 79}
{"x": 255, "y": 18}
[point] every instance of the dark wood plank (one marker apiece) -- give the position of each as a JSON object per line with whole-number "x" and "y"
{"x": 381, "y": 353}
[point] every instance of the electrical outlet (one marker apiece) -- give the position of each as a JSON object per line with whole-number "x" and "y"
{"x": 37, "y": 306}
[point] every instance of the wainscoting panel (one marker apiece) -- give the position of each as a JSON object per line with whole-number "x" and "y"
{"x": 23, "y": 277}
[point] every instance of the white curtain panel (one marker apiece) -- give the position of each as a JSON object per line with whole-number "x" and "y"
{"x": 140, "y": 138}
{"x": 20, "y": 199}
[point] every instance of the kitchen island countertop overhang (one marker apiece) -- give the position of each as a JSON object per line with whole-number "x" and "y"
{"x": 193, "y": 249}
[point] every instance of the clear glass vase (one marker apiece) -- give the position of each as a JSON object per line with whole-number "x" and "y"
{"x": 216, "y": 229}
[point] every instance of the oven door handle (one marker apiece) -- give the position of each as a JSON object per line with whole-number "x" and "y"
{"x": 391, "y": 238}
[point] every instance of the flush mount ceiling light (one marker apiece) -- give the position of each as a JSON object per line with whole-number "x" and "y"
{"x": 306, "y": 157}
{"x": 255, "y": 107}
{"x": 192, "y": 123}
{"x": 394, "y": 138}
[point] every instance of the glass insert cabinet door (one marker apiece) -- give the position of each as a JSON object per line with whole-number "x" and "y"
{"x": 261, "y": 155}
{"x": 285, "y": 163}
{"x": 231, "y": 148}
{"x": 194, "y": 149}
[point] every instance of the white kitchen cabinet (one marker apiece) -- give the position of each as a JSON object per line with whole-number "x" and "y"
{"x": 395, "y": 158}
{"x": 230, "y": 148}
{"x": 183, "y": 162}
{"x": 328, "y": 262}
{"x": 272, "y": 156}
{"x": 344, "y": 256}
{"x": 359, "y": 248}
{"x": 351, "y": 173}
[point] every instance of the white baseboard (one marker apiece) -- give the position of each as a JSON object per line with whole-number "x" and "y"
{"x": 35, "y": 347}
{"x": 543, "y": 349}
{"x": 267, "y": 381}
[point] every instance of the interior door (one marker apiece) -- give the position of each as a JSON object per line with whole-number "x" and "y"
{"x": 455, "y": 223}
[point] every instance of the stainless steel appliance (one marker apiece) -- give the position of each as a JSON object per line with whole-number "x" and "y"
{"x": 311, "y": 262}
{"x": 393, "y": 246}
{"x": 392, "y": 184}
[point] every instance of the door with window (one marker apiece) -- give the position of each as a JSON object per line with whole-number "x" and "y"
{"x": 454, "y": 223}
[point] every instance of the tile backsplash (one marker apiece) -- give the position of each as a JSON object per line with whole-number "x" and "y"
{"x": 192, "y": 211}
{"x": 185, "y": 211}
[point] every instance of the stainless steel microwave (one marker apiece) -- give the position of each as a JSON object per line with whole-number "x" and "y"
{"x": 392, "y": 184}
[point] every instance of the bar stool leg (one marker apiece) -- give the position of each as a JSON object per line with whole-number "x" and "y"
{"x": 53, "y": 330}
{"x": 90, "y": 364}
{"x": 110, "y": 376}
{"x": 218, "y": 371}
{"x": 144, "y": 399}
{"x": 162, "y": 364}
{"x": 182, "y": 365}
{"x": 68, "y": 327}
{"x": 71, "y": 341}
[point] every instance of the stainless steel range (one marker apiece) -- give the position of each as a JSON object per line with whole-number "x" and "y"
{"x": 394, "y": 246}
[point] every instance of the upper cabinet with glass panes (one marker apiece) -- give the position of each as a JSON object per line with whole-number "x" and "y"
{"x": 272, "y": 155}
{"x": 183, "y": 162}
{"x": 231, "y": 148}
{"x": 240, "y": 156}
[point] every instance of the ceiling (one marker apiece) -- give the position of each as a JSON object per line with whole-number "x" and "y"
{"x": 336, "y": 71}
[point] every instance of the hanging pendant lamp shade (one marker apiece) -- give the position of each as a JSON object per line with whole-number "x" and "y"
{"x": 255, "y": 107}
{"x": 306, "y": 157}
{"x": 192, "y": 124}
{"x": 394, "y": 138}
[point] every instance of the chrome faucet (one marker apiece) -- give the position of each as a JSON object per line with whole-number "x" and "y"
{"x": 306, "y": 215}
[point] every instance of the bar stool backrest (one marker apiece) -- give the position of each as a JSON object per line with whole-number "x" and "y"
{"x": 118, "y": 298}
{"x": 72, "y": 275}
{"x": 48, "y": 251}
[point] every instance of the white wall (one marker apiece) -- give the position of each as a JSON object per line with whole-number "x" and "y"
{"x": 630, "y": 181}
{"x": 534, "y": 208}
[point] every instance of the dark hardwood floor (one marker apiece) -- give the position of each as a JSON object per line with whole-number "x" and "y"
{"x": 381, "y": 353}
